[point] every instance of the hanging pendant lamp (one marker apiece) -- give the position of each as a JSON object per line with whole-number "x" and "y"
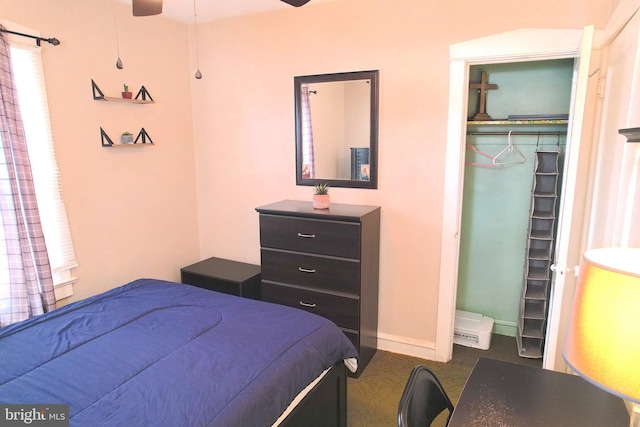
{"x": 195, "y": 26}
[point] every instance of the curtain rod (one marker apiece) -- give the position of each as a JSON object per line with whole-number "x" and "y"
{"x": 52, "y": 40}
{"x": 518, "y": 133}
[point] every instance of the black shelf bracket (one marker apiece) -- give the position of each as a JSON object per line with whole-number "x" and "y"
{"x": 97, "y": 93}
{"x": 106, "y": 141}
{"x": 144, "y": 93}
{"x": 144, "y": 136}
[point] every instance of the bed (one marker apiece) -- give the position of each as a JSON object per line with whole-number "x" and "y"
{"x": 153, "y": 352}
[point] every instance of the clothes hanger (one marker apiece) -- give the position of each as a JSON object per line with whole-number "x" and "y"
{"x": 511, "y": 149}
{"x": 481, "y": 153}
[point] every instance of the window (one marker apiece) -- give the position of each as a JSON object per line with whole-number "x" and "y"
{"x": 28, "y": 72}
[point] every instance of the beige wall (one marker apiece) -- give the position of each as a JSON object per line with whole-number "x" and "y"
{"x": 243, "y": 111}
{"x": 132, "y": 211}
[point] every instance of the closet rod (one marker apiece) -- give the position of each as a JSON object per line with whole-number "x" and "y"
{"x": 545, "y": 133}
{"x": 54, "y": 41}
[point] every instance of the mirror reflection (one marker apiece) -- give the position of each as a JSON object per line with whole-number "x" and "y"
{"x": 336, "y": 129}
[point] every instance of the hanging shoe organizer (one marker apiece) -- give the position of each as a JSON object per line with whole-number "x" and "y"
{"x": 534, "y": 302}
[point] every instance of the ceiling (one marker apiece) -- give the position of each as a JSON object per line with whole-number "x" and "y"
{"x": 211, "y": 10}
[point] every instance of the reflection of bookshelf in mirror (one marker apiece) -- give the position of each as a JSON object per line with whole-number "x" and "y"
{"x": 359, "y": 164}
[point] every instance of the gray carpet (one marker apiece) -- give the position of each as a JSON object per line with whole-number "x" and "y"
{"x": 372, "y": 399}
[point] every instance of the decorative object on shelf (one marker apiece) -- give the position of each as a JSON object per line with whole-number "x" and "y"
{"x": 602, "y": 343}
{"x": 632, "y": 134}
{"x": 126, "y": 138}
{"x": 142, "y": 136}
{"x": 119, "y": 65}
{"x": 195, "y": 28}
{"x": 321, "y": 199}
{"x": 125, "y": 93}
{"x": 483, "y": 87}
{"x": 143, "y": 93}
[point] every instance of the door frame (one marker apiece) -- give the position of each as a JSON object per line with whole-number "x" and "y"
{"x": 514, "y": 46}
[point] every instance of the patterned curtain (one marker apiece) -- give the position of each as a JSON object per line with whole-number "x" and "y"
{"x": 308, "y": 160}
{"x": 26, "y": 285}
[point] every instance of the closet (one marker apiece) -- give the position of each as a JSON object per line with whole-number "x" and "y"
{"x": 510, "y": 199}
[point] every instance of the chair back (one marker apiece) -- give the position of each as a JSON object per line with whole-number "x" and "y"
{"x": 423, "y": 399}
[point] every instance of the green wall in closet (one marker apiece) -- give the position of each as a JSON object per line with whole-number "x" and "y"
{"x": 496, "y": 200}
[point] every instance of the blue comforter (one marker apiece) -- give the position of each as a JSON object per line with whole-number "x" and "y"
{"x": 165, "y": 354}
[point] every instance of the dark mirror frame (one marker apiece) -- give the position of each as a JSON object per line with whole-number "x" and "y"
{"x": 372, "y": 76}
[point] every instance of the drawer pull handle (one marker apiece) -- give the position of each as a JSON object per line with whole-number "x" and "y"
{"x": 306, "y": 304}
{"x": 307, "y": 236}
{"x": 306, "y": 270}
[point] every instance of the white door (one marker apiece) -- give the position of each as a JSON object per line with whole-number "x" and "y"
{"x": 571, "y": 220}
{"x": 615, "y": 219}
{"x": 520, "y": 45}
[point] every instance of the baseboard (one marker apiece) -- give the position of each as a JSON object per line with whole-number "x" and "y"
{"x": 505, "y": 327}
{"x": 407, "y": 346}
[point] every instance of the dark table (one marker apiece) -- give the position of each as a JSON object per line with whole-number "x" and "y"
{"x": 500, "y": 393}
{"x": 223, "y": 275}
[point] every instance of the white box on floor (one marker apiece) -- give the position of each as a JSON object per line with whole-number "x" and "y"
{"x": 472, "y": 330}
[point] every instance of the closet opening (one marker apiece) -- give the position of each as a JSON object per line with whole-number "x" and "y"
{"x": 516, "y": 136}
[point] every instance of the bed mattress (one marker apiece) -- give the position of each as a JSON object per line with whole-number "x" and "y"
{"x": 160, "y": 353}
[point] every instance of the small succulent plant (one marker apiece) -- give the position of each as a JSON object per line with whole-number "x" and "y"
{"x": 126, "y": 88}
{"x": 322, "y": 188}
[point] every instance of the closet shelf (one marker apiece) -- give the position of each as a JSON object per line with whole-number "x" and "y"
{"x": 516, "y": 122}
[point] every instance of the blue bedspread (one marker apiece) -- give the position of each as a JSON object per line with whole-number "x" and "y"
{"x": 165, "y": 354}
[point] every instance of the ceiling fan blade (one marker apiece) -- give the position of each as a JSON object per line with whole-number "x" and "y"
{"x": 146, "y": 7}
{"x": 296, "y": 3}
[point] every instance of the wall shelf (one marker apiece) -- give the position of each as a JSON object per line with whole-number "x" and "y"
{"x": 145, "y": 98}
{"x": 632, "y": 134}
{"x": 142, "y": 136}
{"x": 143, "y": 94}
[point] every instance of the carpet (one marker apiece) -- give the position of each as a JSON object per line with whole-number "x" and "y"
{"x": 372, "y": 399}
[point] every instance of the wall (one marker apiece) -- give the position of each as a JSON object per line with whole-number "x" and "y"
{"x": 132, "y": 211}
{"x": 149, "y": 211}
{"x": 244, "y": 117}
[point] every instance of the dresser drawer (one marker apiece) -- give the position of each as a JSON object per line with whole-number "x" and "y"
{"x": 335, "y": 238}
{"x": 343, "y": 311}
{"x": 311, "y": 271}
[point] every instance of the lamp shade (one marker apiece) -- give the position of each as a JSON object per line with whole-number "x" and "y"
{"x": 603, "y": 341}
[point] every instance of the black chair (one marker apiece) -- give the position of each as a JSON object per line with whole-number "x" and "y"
{"x": 423, "y": 399}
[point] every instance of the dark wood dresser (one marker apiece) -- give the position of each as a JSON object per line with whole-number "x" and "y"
{"x": 325, "y": 261}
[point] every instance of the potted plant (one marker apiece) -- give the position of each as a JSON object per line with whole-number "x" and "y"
{"x": 126, "y": 94}
{"x": 126, "y": 138}
{"x": 321, "y": 198}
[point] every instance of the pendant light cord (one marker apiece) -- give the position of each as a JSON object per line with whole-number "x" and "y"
{"x": 195, "y": 27}
{"x": 115, "y": 25}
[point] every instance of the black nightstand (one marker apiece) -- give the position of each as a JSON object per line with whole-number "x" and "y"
{"x": 223, "y": 275}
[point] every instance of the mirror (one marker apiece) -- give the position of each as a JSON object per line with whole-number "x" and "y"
{"x": 337, "y": 129}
